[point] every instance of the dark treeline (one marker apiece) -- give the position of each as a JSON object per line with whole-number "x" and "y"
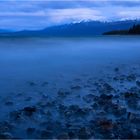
{"x": 135, "y": 30}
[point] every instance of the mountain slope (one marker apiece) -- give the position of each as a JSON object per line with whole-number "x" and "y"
{"x": 5, "y": 31}
{"x": 78, "y": 29}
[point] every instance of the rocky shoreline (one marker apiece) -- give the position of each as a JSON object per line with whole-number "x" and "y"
{"x": 107, "y": 108}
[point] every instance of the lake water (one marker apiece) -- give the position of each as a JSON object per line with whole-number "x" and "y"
{"x": 34, "y": 70}
{"x": 27, "y": 59}
{"x": 45, "y": 59}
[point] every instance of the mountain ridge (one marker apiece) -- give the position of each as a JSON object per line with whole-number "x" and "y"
{"x": 90, "y": 28}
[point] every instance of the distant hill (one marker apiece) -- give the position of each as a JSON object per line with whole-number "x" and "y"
{"x": 135, "y": 30}
{"x": 91, "y": 28}
{"x": 5, "y": 31}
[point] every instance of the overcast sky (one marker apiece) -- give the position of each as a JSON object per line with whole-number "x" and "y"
{"x": 36, "y": 14}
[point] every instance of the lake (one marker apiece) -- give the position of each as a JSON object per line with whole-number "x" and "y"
{"x": 24, "y": 59}
{"x": 34, "y": 69}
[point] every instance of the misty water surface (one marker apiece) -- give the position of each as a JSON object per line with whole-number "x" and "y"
{"x": 24, "y": 59}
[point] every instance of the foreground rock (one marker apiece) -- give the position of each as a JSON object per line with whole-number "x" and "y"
{"x": 103, "y": 109}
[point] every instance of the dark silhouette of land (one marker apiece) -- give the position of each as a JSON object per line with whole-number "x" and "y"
{"x": 135, "y": 30}
{"x": 82, "y": 29}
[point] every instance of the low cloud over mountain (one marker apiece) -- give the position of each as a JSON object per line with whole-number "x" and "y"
{"x": 15, "y": 14}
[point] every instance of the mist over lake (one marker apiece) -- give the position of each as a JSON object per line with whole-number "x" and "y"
{"x": 25, "y": 59}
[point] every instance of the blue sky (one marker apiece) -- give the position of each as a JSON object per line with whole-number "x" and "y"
{"x": 37, "y": 14}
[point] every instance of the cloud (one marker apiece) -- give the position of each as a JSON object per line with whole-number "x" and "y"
{"x": 129, "y": 14}
{"x": 34, "y": 14}
{"x": 75, "y": 15}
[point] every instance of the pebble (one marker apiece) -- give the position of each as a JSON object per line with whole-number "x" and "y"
{"x": 28, "y": 111}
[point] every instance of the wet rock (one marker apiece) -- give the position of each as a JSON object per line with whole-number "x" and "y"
{"x": 130, "y": 95}
{"x": 32, "y": 83}
{"x": 20, "y": 94}
{"x": 105, "y": 124}
{"x": 63, "y": 136}
{"x": 83, "y": 111}
{"x": 28, "y": 99}
{"x": 73, "y": 130}
{"x": 136, "y": 134}
{"x": 83, "y": 133}
{"x": 132, "y": 99}
{"x": 72, "y": 135}
{"x": 104, "y": 99}
{"x": 62, "y": 93}
{"x": 78, "y": 96}
{"x": 77, "y": 80}
{"x": 101, "y": 113}
{"x": 44, "y": 96}
{"x": 116, "y": 96}
{"x": 30, "y": 130}
{"x": 43, "y": 103}
{"x": 62, "y": 108}
{"x": 116, "y": 69}
{"x": 123, "y": 129}
{"x": 120, "y": 78}
{"x": 76, "y": 110}
{"x": 123, "y": 77}
{"x": 45, "y": 125}
{"x": 125, "y": 134}
{"x": 44, "y": 84}
{"x": 87, "y": 86}
{"x": 48, "y": 113}
{"x": 131, "y": 77}
{"x": 9, "y": 103}
{"x": 74, "y": 127}
{"x": 129, "y": 115}
{"x": 102, "y": 128}
{"x": 134, "y": 89}
{"x": 116, "y": 110}
{"x": 76, "y": 87}
{"x": 107, "y": 88}
{"x": 29, "y": 111}
{"x": 46, "y": 134}
{"x": 115, "y": 78}
{"x": 51, "y": 103}
{"x": 95, "y": 106}
{"x": 133, "y": 104}
{"x": 96, "y": 84}
{"x": 6, "y": 135}
{"x": 89, "y": 98}
{"x": 138, "y": 83}
{"x": 47, "y": 103}
{"x": 73, "y": 107}
{"x": 135, "y": 119}
{"x": 15, "y": 115}
{"x": 93, "y": 90}
{"x": 120, "y": 111}
{"x": 90, "y": 81}
{"x": 5, "y": 126}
